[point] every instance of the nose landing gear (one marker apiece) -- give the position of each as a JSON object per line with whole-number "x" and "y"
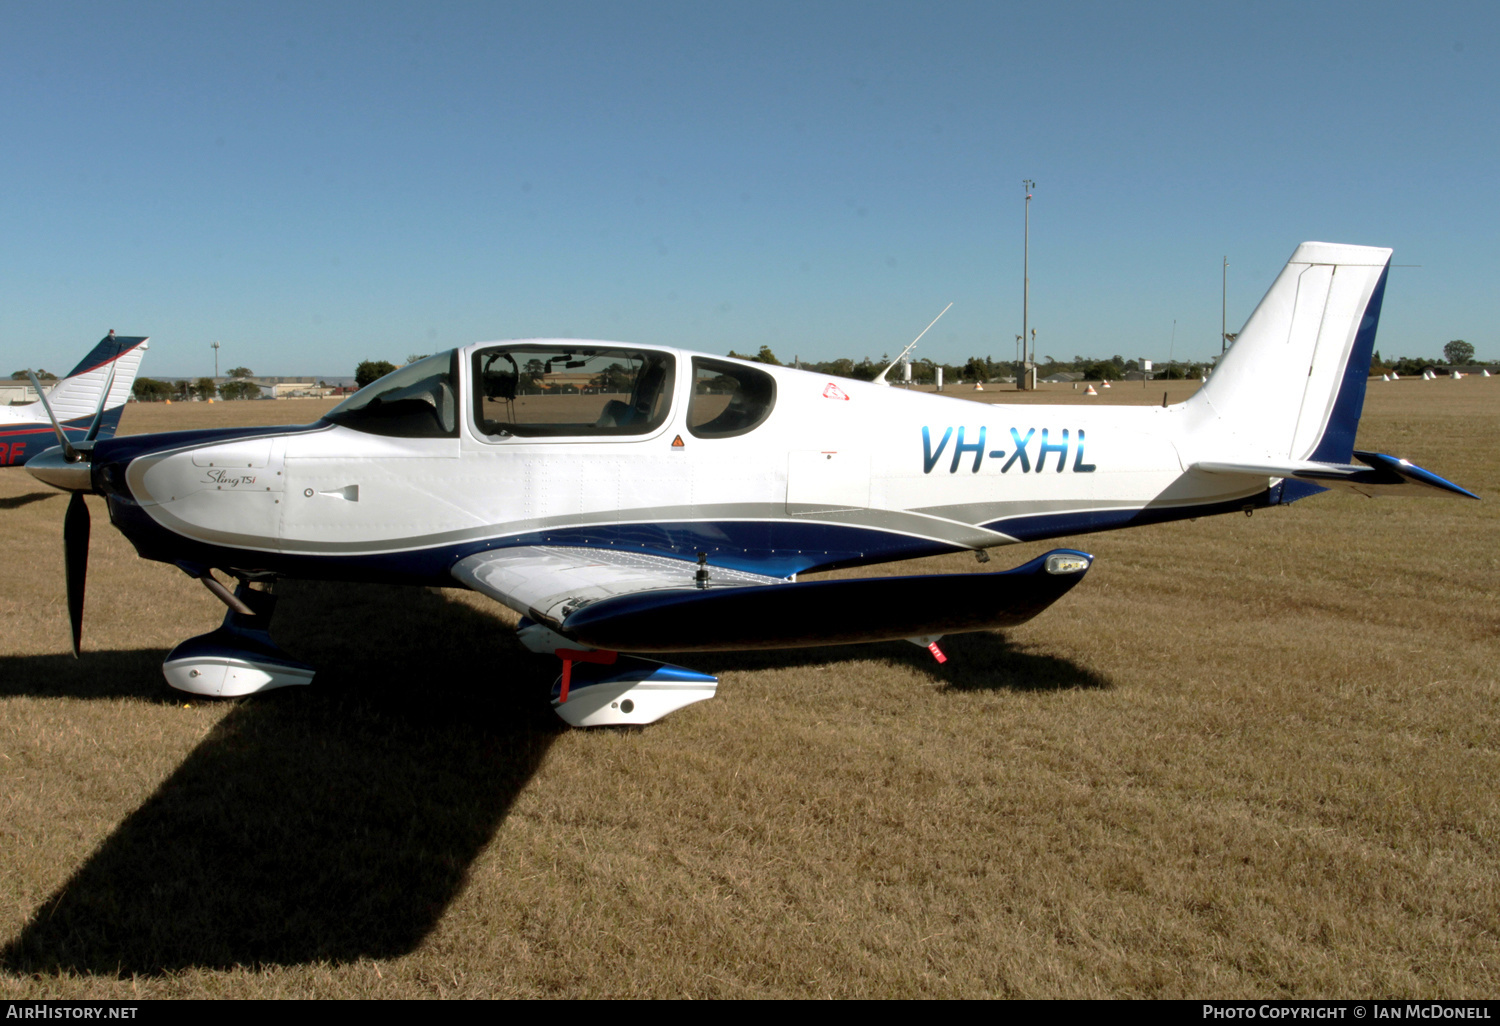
{"x": 239, "y": 658}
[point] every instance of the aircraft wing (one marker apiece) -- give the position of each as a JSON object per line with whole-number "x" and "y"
{"x": 632, "y": 602}
{"x": 1376, "y": 474}
{"x": 550, "y": 582}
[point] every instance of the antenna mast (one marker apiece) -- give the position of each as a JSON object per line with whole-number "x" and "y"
{"x": 880, "y": 378}
{"x": 1027, "y": 361}
{"x": 1224, "y": 310}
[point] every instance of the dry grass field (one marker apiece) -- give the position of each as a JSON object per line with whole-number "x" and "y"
{"x": 1246, "y": 757}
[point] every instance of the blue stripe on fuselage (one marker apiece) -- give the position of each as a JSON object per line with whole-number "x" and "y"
{"x": 776, "y": 548}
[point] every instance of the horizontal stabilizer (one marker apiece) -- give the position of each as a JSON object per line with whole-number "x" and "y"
{"x": 1375, "y": 474}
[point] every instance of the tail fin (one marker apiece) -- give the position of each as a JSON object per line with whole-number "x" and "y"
{"x": 1293, "y": 385}
{"x": 112, "y": 363}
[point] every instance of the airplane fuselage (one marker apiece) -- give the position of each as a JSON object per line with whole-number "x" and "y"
{"x": 836, "y": 473}
{"x": 634, "y": 500}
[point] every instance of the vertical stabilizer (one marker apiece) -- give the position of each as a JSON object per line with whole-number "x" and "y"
{"x": 1293, "y": 385}
{"x": 113, "y": 363}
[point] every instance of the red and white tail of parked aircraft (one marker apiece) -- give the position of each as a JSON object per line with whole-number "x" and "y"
{"x": 112, "y": 364}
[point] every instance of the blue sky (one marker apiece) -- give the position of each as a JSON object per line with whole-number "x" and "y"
{"x": 314, "y": 184}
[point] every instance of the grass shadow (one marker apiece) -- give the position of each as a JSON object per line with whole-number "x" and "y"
{"x": 116, "y": 674}
{"x": 327, "y": 823}
{"x": 980, "y": 661}
{"x": 17, "y": 501}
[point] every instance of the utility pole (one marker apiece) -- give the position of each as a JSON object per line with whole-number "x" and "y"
{"x": 1026, "y": 282}
{"x": 215, "y": 347}
{"x": 1224, "y": 309}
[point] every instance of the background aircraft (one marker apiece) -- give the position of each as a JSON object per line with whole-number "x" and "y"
{"x": 640, "y": 499}
{"x": 27, "y": 430}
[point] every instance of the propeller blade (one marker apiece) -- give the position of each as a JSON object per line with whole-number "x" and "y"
{"x": 62, "y": 436}
{"x": 76, "y": 562}
{"x": 109, "y": 383}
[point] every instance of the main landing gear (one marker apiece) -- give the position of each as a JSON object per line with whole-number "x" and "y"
{"x": 239, "y": 658}
{"x": 598, "y": 688}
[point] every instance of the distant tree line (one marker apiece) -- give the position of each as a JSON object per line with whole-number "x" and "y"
{"x": 1457, "y": 353}
{"x": 923, "y": 371}
{"x": 982, "y": 368}
{"x": 150, "y": 390}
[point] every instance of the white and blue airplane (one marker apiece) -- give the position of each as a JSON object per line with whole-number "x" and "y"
{"x": 630, "y": 500}
{"x": 108, "y": 370}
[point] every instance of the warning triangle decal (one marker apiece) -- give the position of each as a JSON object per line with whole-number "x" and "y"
{"x": 677, "y": 442}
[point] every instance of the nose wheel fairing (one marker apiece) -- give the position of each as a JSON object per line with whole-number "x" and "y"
{"x": 239, "y": 657}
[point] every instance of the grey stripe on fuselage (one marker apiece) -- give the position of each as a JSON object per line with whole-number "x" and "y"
{"x": 923, "y": 526}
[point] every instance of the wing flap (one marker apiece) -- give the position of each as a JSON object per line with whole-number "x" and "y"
{"x": 548, "y": 582}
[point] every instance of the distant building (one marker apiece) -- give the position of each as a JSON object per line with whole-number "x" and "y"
{"x": 298, "y": 390}
{"x": 14, "y": 392}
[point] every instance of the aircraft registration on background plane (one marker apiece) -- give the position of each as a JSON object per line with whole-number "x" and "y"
{"x": 111, "y": 367}
{"x": 630, "y": 500}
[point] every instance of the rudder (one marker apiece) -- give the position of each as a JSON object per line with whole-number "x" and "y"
{"x": 1293, "y": 385}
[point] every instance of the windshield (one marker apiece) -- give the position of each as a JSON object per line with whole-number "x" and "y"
{"x": 415, "y": 401}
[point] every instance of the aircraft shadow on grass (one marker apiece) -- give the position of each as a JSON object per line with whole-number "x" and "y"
{"x": 981, "y": 661}
{"x": 338, "y": 822}
{"x": 326, "y": 823}
{"x": 133, "y": 674}
{"x": 17, "y": 501}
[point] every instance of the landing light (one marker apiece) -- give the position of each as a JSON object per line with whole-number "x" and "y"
{"x": 1066, "y": 564}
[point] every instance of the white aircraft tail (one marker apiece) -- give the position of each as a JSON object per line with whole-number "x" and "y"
{"x": 1293, "y": 385}
{"x": 113, "y": 363}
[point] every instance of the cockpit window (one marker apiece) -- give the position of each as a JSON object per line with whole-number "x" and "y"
{"x": 728, "y": 399}
{"x": 415, "y": 401}
{"x": 555, "y": 390}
